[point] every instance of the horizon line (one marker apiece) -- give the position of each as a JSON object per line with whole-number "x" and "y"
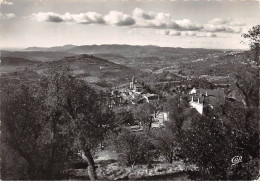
{"x": 45, "y": 47}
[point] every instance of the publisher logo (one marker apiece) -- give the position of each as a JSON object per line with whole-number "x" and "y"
{"x": 236, "y": 159}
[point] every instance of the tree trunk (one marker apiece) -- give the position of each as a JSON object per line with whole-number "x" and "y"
{"x": 31, "y": 172}
{"x": 31, "y": 167}
{"x": 169, "y": 157}
{"x": 51, "y": 161}
{"x": 86, "y": 155}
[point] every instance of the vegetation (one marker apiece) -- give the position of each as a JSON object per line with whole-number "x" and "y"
{"x": 53, "y": 120}
{"x": 132, "y": 148}
{"x": 230, "y": 130}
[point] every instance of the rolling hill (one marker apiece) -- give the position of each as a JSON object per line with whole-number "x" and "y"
{"x": 41, "y": 56}
{"x": 12, "y": 61}
{"x": 53, "y": 49}
{"x": 97, "y": 70}
{"x": 130, "y": 51}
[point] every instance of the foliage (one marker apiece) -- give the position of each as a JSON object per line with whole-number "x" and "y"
{"x": 254, "y": 36}
{"x": 165, "y": 142}
{"x": 229, "y": 130}
{"x": 132, "y": 148}
{"x": 49, "y": 122}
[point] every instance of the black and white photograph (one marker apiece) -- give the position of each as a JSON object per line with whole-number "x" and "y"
{"x": 129, "y": 90}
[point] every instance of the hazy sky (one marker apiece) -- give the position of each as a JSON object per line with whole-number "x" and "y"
{"x": 174, "y": 23}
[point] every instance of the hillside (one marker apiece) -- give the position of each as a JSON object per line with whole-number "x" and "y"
{"x": 100, "y": 72}
{"x": 41, "y": 56}
{"x": 130, "y": 51}
{"x": 13, "y": 61}
{"x": 96, "y": 70}
{"x": 53, "y": 49}
{"x": 110, "y": 65}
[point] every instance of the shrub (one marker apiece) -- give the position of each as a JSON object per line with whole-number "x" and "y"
{"x": 132, "y": 148}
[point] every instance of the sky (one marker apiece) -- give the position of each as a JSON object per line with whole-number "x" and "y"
{"x": 167, "y": 23}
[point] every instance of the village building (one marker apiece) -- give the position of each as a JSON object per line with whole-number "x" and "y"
{"x": 203, "y": 98}
{"x": 160, "y": 119}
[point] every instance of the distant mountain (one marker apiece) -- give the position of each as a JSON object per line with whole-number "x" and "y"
{"x": 42, "y": 56}
{"x": 137, "y": 51}
{"x": 57, "y": 48}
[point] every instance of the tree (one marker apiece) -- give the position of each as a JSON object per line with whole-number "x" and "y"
{"x": 176, "y": 107}
{"x": 165, "y": 142}
{"x": 143, "y": 113}
{"x": 254, "y": 40}
{"x": 231, "y": 130}
{"x": 212, "y": 141}
{"x": 22, "y": 122}
{"x": 52, "y": 121}
{"x": 132, "y": 148}
{"x": 76, "y": 114}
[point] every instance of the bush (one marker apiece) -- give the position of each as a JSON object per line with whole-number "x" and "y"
{"x": 132, "y": 148}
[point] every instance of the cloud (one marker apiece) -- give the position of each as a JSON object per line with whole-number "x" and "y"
{"x": 7, "y": 15}
{"x": 227, "y": 22}
{"x": 114, "y": 18}
{"x": 146, "y": 19}
{"x": 186, "y": 24}
{"x": 162, "y": 21}
{"x": 208, "y": 34}
{"x": 139, "y": 13}
{"x": 221, "y": 28}
{"x": 81, "y": 18}
{"x": 119, "y": 19}
{"x": 5, "y": 2}
{"x": 218, "y": 21}
{"x": 224, "y": 25}
{"x": 174, "y": 33}
{"x": 169, "y": 32}
{"x": 47, "y": 17}
{"x": 211, "y": 35}
{"x": 188, "y": 33}
{"x": 84, "y": 18}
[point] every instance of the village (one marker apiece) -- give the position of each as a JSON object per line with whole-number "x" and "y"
{"x": 199, "y": 99}
{"x": 118, "y": 90}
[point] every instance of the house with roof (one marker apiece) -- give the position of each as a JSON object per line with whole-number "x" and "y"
{"x": 159, "y": 119}
{"x": 203, "y": 98}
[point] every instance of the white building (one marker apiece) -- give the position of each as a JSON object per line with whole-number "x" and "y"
{"x": 160, "y": 119}
{"x": 196, "y": 105}
{"x": 193, "y": 91}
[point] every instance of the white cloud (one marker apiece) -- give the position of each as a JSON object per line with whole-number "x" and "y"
{"x": 47, "y": 17}
{"x": 119, "y": 19}
{"x": 168, "y": 32}
{"x": 218, "y": 21}
{"x": 114, "y": 18}
{"x": 211, "y": 35}
{"x": 188, "y": 33}
{"x": 224, "y": 25}
{"x": 228, "y": 22}
{"x": 5, "y": 2}
{"x": 7, "y": 15}
{"x": 82, "y": 18}
{"x": 139, "y": 13}
{"x": 186, "y": 24}
{"x": 147, "y": 19}
{"x": 162, "y": 21}
{"x": 174, "y": 33}
{"x": 163, "y": 32}
{"x": 221, "y": 28}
